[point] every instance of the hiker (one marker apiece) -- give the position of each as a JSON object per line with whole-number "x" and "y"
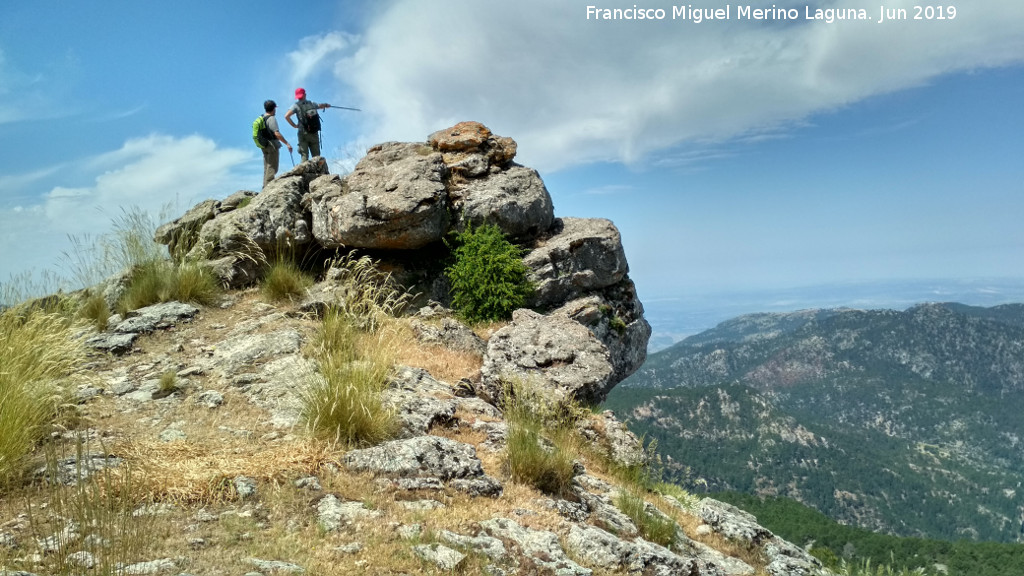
{"x": 272, "y": 150}
{"x": 309, "y": 123}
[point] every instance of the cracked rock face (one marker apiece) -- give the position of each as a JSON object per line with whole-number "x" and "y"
{"x": 514, "y": 200}
{"x": 585, "y": 254}
{"x": 395, "y": 199}
{"x": 431, "y": 456}
{"x": 555, "y": 352}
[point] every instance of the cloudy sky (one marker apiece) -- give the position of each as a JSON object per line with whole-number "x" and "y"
{"x": 733, "y": 154}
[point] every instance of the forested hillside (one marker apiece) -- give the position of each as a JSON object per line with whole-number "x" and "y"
{"x": 901, "y": 422}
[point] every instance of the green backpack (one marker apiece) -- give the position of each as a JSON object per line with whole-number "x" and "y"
{"x": 262, "y": 135}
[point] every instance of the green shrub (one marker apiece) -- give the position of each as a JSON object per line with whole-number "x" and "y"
{"x": 39, "y": 354}
{"x": 488, "y": 277}
{"x": 542, "y": 444}
{"x": 342, "y": 402}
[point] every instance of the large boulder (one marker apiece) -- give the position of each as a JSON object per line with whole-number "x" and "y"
{"x": 395, "y": 199}
{"x": 515, "y": 200}
{"x": 553, "y": 352}
{"x": 615, "y": 317}
{"x": 583, "y": 255}
{"x": 273, "y": 219}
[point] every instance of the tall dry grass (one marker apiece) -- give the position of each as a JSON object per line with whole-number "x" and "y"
{"x": 342, "y": 402}
{"x": 39, "y": 358}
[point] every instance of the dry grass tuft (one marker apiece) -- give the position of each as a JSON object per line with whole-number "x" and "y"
{"x": 187, "y": 472}
{"x": 39, "y": 357}
{"x": 342, "y": 403}
{"x": 443, "y": 363}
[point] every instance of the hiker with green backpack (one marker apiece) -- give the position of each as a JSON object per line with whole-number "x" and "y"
{"x": 268, "y": 138}
{"x": 308, "y": 114}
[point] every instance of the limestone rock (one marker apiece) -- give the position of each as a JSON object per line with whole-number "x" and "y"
{"x": 113, "y": 343}
{"x": 733, "y": 523}
{"x": 273, "y": 219}
{"x": 615, "y": 316}
{"x": 334, "y": 514}
{"x": 583, "y": 255}
{"x": 604, "y": 550}
{"x": 471, "y": 149}
{"x": 243, "y": 350}
{"x": 150, "y": 318}
{"x": 451, "y": 334}
{"x": 542, "y": 547}
{"x": 514, "y": 200}
{"x": 419, "y": 400}
{"x": 181, "y": 234}
{"x": 554, "y": 351}
{"x": 623, "y": 446}
{"x": 489, "y": 546}
{"x": 265, "y": 566}
{"x": 432, "y": 456}
{"x": 395, "y": 199}
{"x": 307, "y": 171}
{"x": 442, "y": 556}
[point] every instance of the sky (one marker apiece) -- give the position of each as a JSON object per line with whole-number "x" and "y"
{"x": 734, "y": 155}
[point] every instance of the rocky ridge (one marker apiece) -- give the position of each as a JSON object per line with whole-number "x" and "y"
{"x": 236, "y": 485}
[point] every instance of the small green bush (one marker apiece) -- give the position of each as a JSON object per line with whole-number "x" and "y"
{"x": 488, "y": 277}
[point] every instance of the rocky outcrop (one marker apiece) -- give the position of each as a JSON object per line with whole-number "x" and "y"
{"x": 553, "y": 352}
{"x": 582, "y": 255}
{"x": 395, "y": 199}
{"x": 400, "y": 201}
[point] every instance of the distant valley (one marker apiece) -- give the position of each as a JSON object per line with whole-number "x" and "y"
{"x": 904, "y": 422}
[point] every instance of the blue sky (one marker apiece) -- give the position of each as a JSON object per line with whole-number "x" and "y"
{"x": 733, "y": 155}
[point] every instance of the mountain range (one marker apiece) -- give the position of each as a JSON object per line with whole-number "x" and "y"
{"x": 904, "y": 422}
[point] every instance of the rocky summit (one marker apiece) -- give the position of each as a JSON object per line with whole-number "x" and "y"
{"x": 202, "y": 406}
{"x": 400, "y": 202}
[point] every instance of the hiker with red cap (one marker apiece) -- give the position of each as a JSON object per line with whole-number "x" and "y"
{"x": 308, "y": 114}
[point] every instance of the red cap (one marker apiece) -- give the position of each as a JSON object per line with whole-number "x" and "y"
{"x": 300, "y": 93}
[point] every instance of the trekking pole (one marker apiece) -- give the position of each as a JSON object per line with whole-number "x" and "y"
{"x": 347, "y": 108}
{"x": 293, "y": 158}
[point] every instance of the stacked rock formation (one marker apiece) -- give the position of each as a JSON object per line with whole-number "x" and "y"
{"x": 584, "y": 330}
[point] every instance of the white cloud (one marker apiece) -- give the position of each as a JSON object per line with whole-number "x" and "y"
{"x": 572, "y": 91}
{"x": 312, "y": 52}
{"x": 152, "y": 174}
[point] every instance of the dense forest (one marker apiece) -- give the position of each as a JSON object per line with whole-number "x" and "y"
{"x": 831, "y": 542}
